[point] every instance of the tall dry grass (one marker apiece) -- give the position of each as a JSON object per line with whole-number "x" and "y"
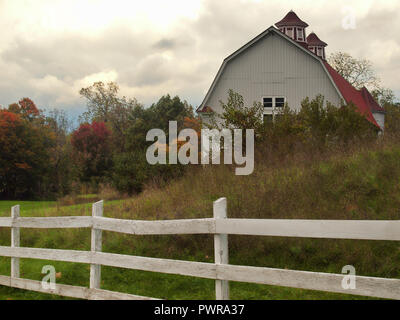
{"x": 360, "y": 181}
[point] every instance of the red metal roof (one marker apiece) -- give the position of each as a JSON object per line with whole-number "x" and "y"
{"x": 374, "y": 106}
{"x": 313, "y": 40}
{"x": 291, "y": 19}
{"x": 351, "y": 94}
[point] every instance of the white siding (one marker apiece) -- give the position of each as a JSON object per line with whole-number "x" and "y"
{"x": 273, "y": 67}
{"x": 380, "y": 119}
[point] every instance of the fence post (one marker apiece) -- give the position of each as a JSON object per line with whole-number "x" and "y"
{"x": 96, "y": 245}
{"x": 221, "y": 250}
{"x": 15, "y": 242}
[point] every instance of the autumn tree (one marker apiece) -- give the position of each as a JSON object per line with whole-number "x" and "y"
{"x": 26, "y": 142}
{"x": 91, "y": 151}
{"x": 105, "y": 105}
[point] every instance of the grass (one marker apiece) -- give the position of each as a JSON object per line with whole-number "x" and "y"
{"x": 362, "y": 185}
{"x": 26, "y": 207}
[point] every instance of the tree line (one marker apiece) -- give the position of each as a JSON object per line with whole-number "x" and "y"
{"x": 41, "y": 158}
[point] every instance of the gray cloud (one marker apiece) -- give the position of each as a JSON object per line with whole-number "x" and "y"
{"x": 165, "y": 44}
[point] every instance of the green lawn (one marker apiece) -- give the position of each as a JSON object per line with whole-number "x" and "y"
{"x": 26, "y": 207}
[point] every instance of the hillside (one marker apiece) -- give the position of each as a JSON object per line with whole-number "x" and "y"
{"x": 363, "y": 184}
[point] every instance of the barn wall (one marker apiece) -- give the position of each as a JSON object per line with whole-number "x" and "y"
{"x": 273, "y": 67}
{"x": 380, "y": 119}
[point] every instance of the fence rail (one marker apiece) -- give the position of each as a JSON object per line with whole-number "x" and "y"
{"x": 221, "y": 271}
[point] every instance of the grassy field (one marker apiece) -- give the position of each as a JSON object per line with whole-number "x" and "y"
{"x": 131, "y": 281}
{"x": 364, "y": 185}
{"x": 27, "y": 207}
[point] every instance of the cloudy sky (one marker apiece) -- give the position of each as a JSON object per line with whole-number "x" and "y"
{"x": 49, "y": 49}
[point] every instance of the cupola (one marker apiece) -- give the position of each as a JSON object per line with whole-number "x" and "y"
{"x": 293, "y": 27}
{"x": 316, "y": 45}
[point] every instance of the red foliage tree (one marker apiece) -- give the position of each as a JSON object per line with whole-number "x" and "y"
{"x": 92, "y": 150}
{"x": 26, "y": 107}
{"x": 25, "y": 151}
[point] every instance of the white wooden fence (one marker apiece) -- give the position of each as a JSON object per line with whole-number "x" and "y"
{"x": 223, "y": 272}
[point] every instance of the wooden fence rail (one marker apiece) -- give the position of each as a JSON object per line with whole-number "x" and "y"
{"x": 221, "y": 271}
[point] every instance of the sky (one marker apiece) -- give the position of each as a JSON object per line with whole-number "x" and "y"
{"x": 49, "y": 49}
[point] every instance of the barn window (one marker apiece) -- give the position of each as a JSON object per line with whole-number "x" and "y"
{"x": 273, "y": 102}
{"x": 300, "y": 34}
{"x": 267, "y": 102}
{"x": 279, "y": 102}
{"x": 272, "y": 108}
{"x": 289, "y": 32}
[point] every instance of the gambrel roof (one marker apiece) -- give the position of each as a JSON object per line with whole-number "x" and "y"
{"x": 365, "y": 103}
{"x": 262, "y": 35}
{"x": 344, "y": 89}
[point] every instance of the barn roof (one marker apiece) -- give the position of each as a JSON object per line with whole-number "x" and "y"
{"x": 345, "y": 90}
{"x": 271, "y": 29}
{"x": 361, "y": 98}
{"x": 374, "y": 106}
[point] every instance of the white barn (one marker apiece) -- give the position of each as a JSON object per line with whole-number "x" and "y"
{"x": 283, "y": 65}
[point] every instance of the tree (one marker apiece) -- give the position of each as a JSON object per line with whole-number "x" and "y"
{"x": 332, "y": 124}
{"x": 131, "y": 169}
{"x": 157, "y": 116}
{"x": 26, "y": 144}
{"x": 91, "y": 146}
{"x": 26, "y": 108}
{"x": 384, "y": 96}
{"x": 392, "y": 120}
{"x": 61, "y": 154}
{"x": 236, "y": 115}
{"x": 358, "y": 72}
{"x": 104, "y": 105}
